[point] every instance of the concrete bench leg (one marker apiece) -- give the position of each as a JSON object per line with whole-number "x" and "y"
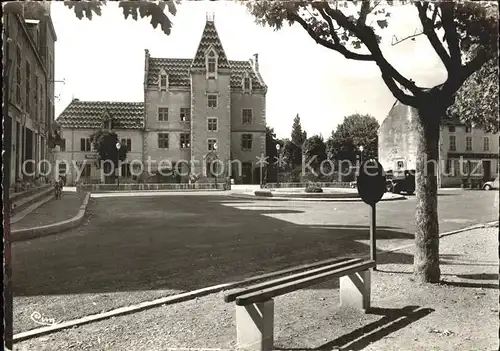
{"x": 255, "y": 326}
{"x": 355, "y": 290}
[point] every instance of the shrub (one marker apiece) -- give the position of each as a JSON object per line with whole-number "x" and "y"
{"x": 313, "y": 189}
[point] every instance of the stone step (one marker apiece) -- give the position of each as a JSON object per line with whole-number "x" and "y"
{"x": 20, "y": 203}
{"x": 20, "y": 214}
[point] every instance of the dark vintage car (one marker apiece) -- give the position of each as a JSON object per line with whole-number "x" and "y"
{"x": 403, "y": 182}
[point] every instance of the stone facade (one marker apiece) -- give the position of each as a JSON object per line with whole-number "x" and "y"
{"x": 30, "y": 61}
{"x": 189, "y": 105}
{"x": 465, "y": 151}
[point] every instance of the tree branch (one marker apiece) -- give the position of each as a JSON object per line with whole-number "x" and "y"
{"x": 333, "y": 46}
{"x": 363, "y": 13}
{"x": 428, "y": 30}
{"x": 451, "y": 35}
{"x": 367, "y": 36}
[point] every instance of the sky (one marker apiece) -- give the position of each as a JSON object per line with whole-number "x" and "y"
{"x": 103, "y": 60}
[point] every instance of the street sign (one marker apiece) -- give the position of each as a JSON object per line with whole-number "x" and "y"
{"x": 371, "y": 182}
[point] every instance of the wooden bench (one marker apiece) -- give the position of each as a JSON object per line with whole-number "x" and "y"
{"x": 255, "y": 304}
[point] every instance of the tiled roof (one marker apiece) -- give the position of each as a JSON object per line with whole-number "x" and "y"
{"x": 91, "y": 114}
{"x": 210, "y": 38}
{"x": 179, "y": 75}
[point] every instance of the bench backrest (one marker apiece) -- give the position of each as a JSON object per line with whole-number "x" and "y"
{"x": 263, "y": 295}
{"x": 231, "y": 295}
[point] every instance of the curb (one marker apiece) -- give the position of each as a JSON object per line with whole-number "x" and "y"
{"x": 37, "y": 232}
{"x": 441, "y": 235}
{"x": 182, "y": 297}
{"x": 276, "y": 198}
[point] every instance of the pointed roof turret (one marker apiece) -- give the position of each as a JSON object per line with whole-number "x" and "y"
{"x": 210, "y": 40}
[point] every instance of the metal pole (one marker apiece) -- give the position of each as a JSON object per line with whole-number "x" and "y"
{"x": 118, "y": 168}
{"x": 8, "y": 318}
{"x": 373, "y": 231}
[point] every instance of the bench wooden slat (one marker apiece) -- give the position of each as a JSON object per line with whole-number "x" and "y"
{"x": 267, "y": 294}
{"x": 233, "y": 294}
{"x": 295, "y": 269}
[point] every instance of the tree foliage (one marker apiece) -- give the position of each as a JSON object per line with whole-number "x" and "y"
{"x": 469, "y": 27}
{"x": 155, "y": 10}
{"x": 476, "y": 102}
{"x": 298, "y": 135}
{"x": 292, "y": 154}
{"x": 355, "y": 130}
{"x": 104, "y": 143}
{"x": 314, "y": 151}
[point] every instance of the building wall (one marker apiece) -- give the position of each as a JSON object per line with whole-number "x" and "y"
{"x": 397, "y": 142}
{"x": 200, "y": 112}
{"x": 174, "y": 100}
{"x": 257, "y": 102}
{"x": 73, "y": 155}
{"x": 33, "y": 113}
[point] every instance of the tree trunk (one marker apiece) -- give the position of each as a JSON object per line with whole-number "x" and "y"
{"x": 426, "y": 258}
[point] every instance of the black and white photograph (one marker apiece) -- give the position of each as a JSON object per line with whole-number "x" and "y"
{"x": 250, "y": 175}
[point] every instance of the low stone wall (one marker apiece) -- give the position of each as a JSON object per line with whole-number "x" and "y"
{"x": 304, "y": 185}
{"x": 149, "y": 186}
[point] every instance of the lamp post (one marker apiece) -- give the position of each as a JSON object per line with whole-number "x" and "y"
{"x": 118, "y": 146}
{"x": 361, "y": 148}
{"x": 278, "y": 147}
{"x": 215, "y": 172}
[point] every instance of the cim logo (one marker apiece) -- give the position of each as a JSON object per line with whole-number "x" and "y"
{"x": 39, "y": 319}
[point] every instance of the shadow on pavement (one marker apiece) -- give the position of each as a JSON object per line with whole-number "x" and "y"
{"x": 392, "y": 320}
{"x": 178, "y": 243}
{"x": 470, "y": 285}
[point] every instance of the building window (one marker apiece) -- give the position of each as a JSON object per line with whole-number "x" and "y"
{"x": 453, "y": 143}
{"x": 62, "y": 145}
{"x": 211, "y": 144}
{"x": 400, "y": 165}
{"x": 163, "y": 140}
{"x": 18, "y": 75}
{"x": 247, "y": 84}
{"x": 468, "y": 129}
{"x": 212, "y": 100}
{"x": 28, "y": 87}
{"x": 451, "y": 129}
{"x": 212, "y": 124}
{"x": 211, "y": 63}
{"x": 162, "y": 114}
{"x": 185, "y": 140}
{"x": 246, "y": 141}
{"x": 450, "y": 167}
{"x": 185, "y": 114}
{"x": 246, "y": 115}
{"x": 127, "y": 143}
{"x": 486, "y": 144}
{"x": 85, "y": 144}
{"x": 163, "y": 81}
{"x": 468, "y": 143}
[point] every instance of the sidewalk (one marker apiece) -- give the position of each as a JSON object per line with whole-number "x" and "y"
{"x": 53, "y": 211}
{"x": 459, "y": 314}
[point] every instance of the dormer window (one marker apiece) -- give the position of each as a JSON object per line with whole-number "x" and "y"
{"x": 163, "y": 81}
{"x": 211, "y": 64}
{"x": 247, "y": 84}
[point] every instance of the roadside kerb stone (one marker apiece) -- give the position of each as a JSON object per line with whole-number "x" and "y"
{"x": 36, "y": 232}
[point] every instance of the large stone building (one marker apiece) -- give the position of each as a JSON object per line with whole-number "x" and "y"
{"x": 30, "y": 49}
{"x": 464, "y": 151}
{"x": 204, "y": 115}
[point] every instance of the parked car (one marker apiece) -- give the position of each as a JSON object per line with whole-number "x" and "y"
{"x": 402, "y": 184}
{"x": 492, "y": 184}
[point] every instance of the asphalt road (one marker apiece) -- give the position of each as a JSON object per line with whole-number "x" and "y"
{"x": 138, "y": 248}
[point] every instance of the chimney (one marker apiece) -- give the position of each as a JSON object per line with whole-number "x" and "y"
{"x": 256, "y": 62}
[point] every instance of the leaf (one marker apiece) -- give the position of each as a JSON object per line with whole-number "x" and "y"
{"x": 356, "y": 44}
{"x": 382, "y": 23}
{"x": 85, "y": 8}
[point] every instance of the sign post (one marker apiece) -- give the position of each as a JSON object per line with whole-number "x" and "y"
{"x": 371, "y": 188}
